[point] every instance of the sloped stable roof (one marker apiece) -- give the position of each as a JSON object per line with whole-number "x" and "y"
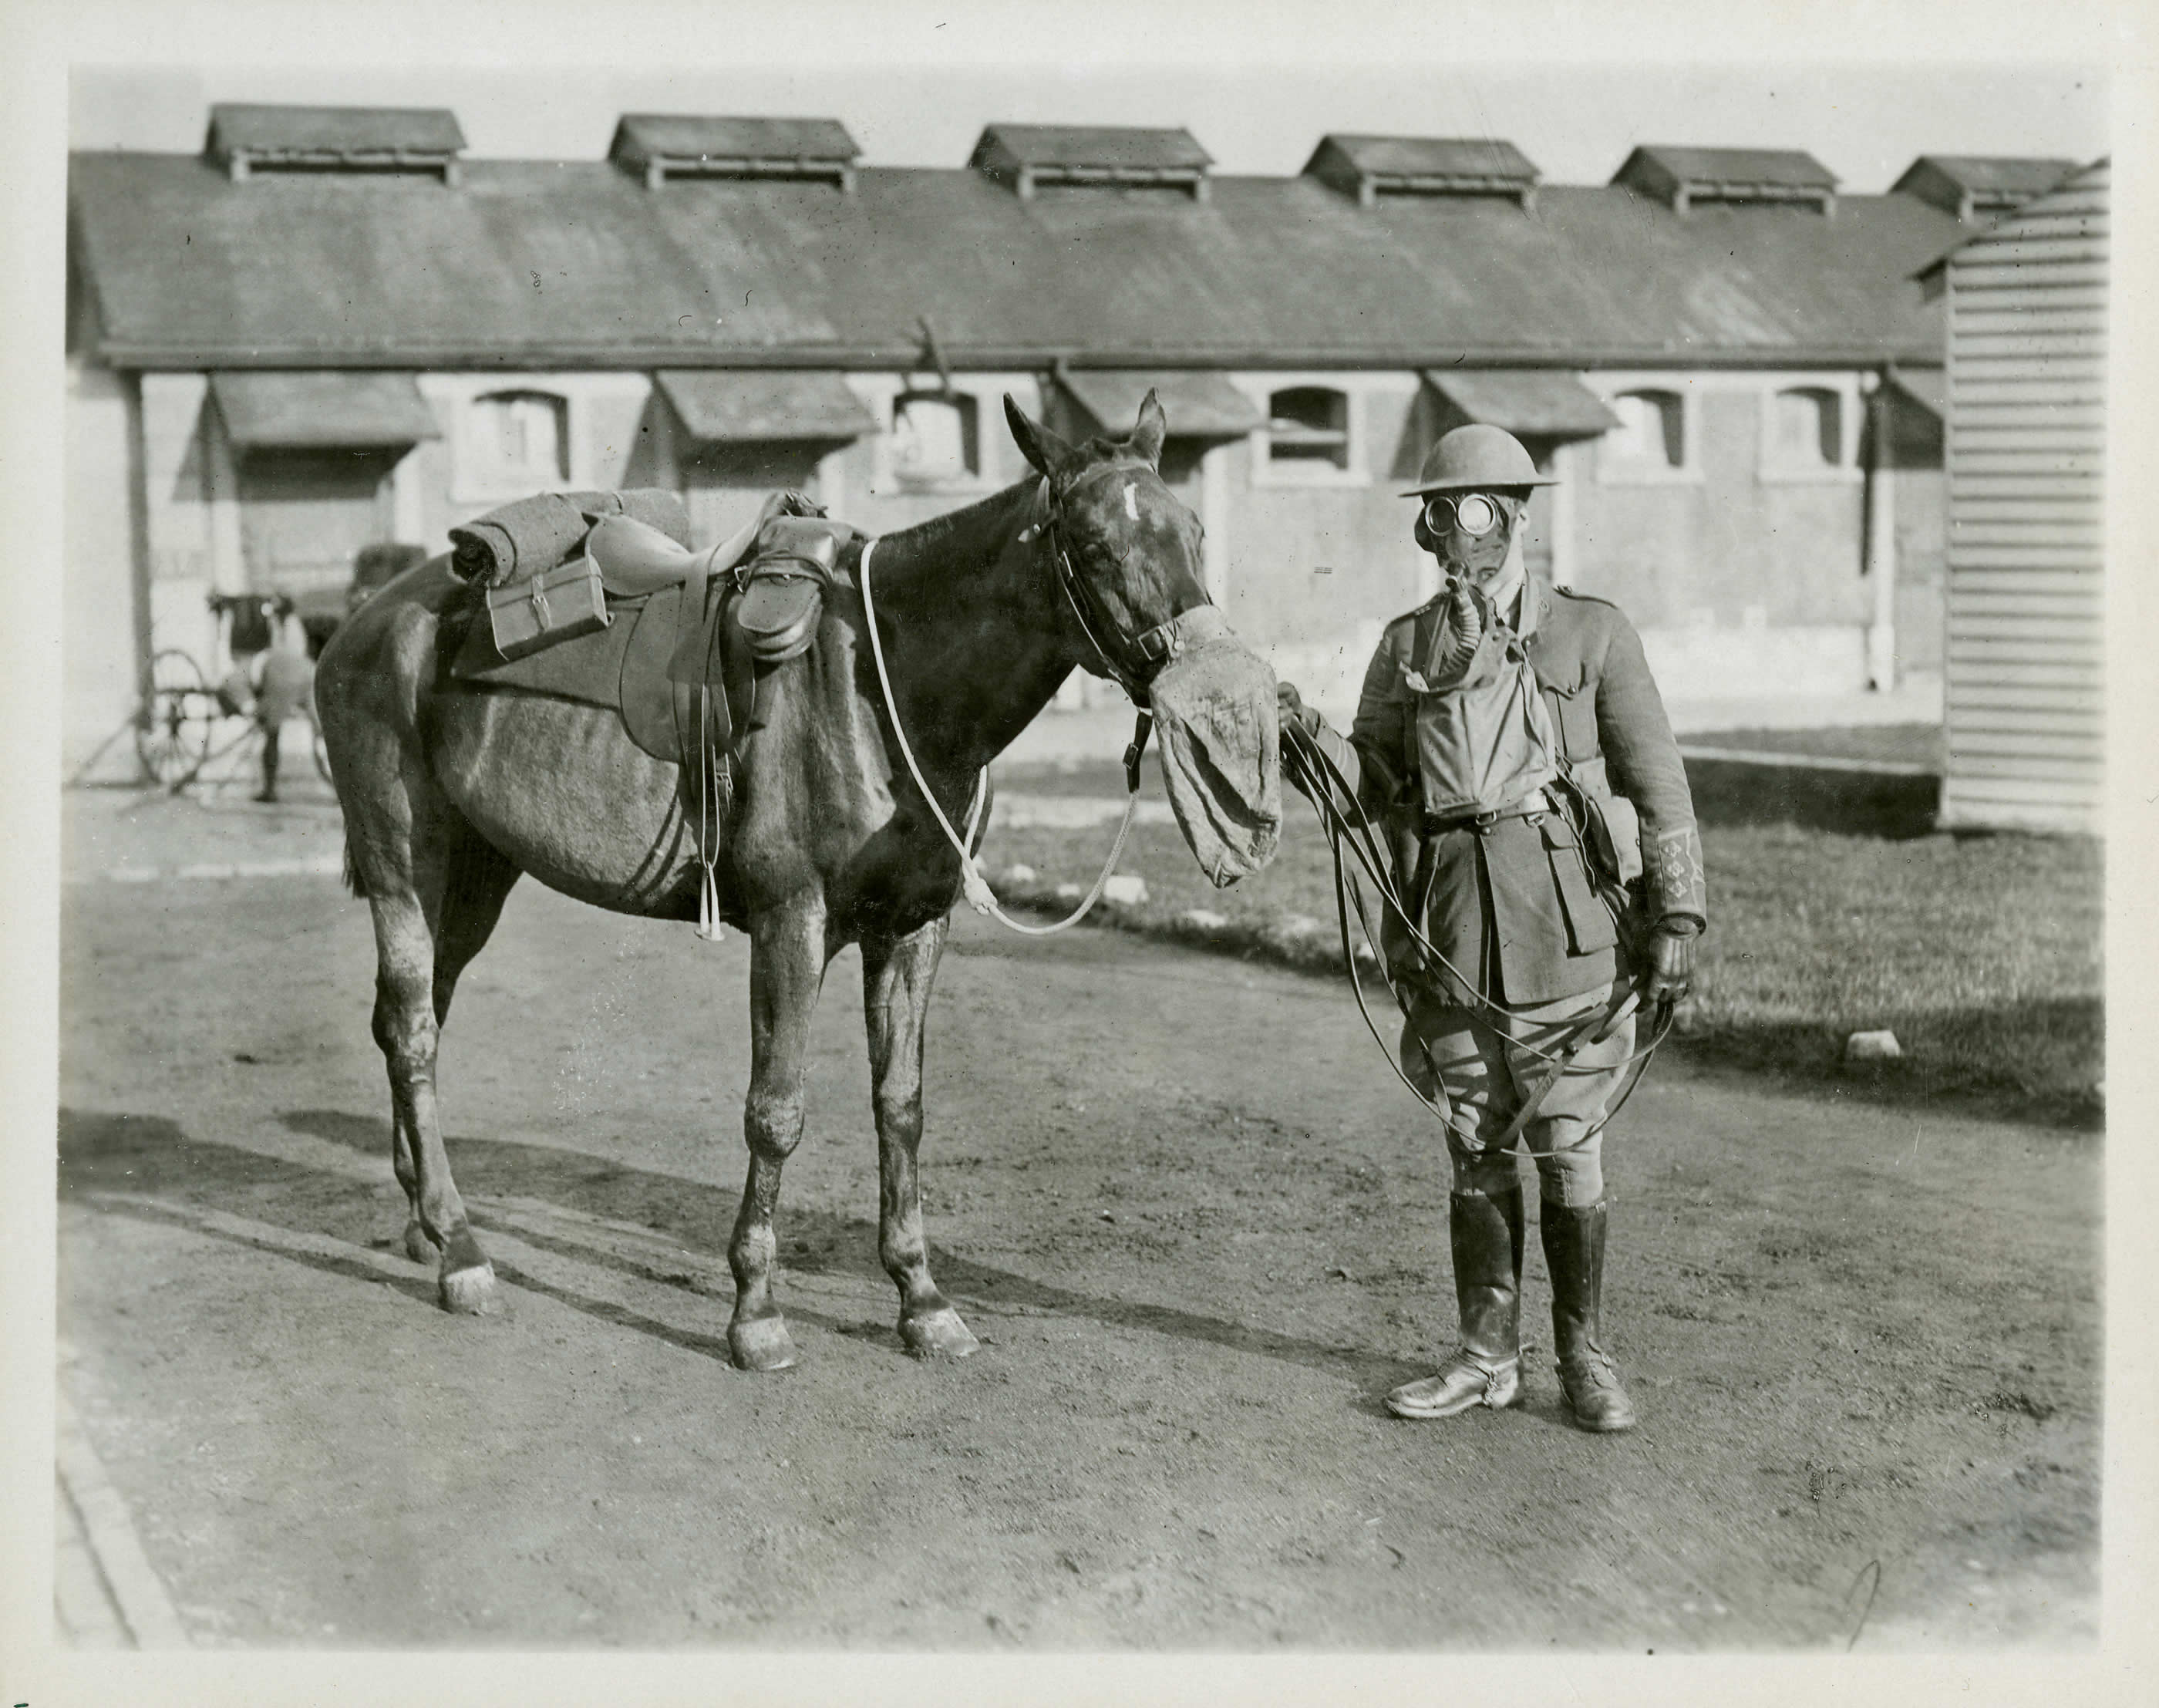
{"x": 578, "y": 264}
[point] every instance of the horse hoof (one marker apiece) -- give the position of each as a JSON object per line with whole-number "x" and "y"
{"x": 418, "y": 1245}
{"x": 762, "y": 1343}
{"x": 470, "y": 1293}
{"x": 939, "y": 1334}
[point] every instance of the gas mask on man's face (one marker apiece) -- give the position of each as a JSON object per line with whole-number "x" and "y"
{"x": 1471, "y": 535}
{"x": 1469, "y": 532}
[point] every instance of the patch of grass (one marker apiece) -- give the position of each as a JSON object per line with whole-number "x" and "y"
{"x": 1982, "y": 954}
{"x": 1903, "y": 743}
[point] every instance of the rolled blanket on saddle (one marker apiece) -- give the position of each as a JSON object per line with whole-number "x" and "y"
{"x": 535, "y": 534}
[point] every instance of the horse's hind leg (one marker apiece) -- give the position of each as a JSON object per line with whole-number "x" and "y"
{"x": 896, "y": 979}
{"x": 786, "y": 971}
{"x": 477, "y": 881}
{"x": 404, "y": 868}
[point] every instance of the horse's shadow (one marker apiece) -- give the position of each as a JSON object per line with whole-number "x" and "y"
{"x": 151, "y": 1158}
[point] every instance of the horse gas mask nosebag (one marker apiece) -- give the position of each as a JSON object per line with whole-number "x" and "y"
{"x": 1214, "y": 704}
{"x": 1215, "y": 709}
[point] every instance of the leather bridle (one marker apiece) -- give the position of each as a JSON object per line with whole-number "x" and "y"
{"x": 1154, "y": 647}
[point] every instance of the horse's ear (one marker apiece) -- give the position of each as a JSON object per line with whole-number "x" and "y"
{"x": 1145, "y": 442}
{"x": 1050, "y": 454}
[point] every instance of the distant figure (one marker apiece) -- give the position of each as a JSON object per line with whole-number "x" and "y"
{"x": 284, "y": 684}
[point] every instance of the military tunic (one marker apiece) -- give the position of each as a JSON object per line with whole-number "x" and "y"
{"x": 1508, "y": 901}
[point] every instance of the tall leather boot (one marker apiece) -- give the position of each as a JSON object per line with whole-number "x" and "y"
{"x": 1574, "y": 1252}
{"x": 1486, "y": 1233}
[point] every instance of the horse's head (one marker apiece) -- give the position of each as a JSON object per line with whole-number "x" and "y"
{"x": 1128, "y": 552}
{"x": 1127, "y": 557}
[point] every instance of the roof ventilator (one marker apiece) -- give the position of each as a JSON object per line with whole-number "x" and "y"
{"x": 1030, "y": 156}
{"x": 659, "y": 146}
{"x": 1684, "y": 179}
{"x": 1369, "y": 168}
{"x": 247, "y": 139}
{"x": 1970, "y": 187}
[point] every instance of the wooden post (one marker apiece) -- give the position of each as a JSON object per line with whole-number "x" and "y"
{"x": 1879, "y": 548}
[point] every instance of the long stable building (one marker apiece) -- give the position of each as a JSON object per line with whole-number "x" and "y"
{"x": 330, "y": 328}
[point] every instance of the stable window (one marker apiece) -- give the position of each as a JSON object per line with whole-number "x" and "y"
{"x": 1652, "y": 430}
{"x": 518, "y": 441}
{"x": 1806, "y": 429}
{"x": 1309, "y": 425}
{"x": 935, "y": 440}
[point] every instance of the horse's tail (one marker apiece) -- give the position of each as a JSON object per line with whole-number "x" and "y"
{"x": 353, "y": 881}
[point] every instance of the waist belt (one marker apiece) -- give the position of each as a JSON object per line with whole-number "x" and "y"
{"x": 1431, "y": 823}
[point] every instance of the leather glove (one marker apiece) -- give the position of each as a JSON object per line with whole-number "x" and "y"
{"x": 1290, "y": 706}
{"x": 1671, "y": 960}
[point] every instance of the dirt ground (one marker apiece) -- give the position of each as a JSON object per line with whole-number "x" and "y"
{"x": 1199, "y": 1229}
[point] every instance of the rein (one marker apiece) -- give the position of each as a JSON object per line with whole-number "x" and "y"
{"x": 978, "y": 894}
{"x": 1363, "y": 842}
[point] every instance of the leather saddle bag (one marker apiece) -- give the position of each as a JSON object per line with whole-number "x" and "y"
{"x": 554, "y": 605}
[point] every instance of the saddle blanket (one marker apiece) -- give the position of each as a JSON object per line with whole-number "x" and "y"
{"x": 623, "y": 668}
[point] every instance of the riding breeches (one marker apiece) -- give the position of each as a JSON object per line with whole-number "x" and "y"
{"x": 1485, "y": 1059}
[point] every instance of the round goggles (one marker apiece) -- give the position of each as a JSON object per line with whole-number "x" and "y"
{"x": 1474, "y": 514}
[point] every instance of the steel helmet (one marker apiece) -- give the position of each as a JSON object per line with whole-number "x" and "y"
{"x": 1479, "y": 459}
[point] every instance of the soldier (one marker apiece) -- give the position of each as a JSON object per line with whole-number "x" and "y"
{"x": 1485, "y": 714}
{"x": 284, "y": 685}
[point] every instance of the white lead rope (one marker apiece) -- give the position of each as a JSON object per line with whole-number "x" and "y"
{"x": 980, "y": 896}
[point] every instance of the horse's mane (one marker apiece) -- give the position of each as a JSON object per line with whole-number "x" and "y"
{"x": 955, "y": 528}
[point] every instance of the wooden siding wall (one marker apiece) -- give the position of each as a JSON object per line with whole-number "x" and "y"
{"x": 2027, "y": 423}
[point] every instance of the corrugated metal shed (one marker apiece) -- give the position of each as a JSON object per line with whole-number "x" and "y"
{"x": 537, "y": 264}
{"x": 2024, "y": 700}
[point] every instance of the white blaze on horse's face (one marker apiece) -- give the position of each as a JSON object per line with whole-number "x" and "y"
{"x": 1137, "y": 546}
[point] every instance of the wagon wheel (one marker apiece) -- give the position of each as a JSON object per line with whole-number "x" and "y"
{"x": 173, "y": 725}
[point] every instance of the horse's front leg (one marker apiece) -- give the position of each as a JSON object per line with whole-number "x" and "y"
{"x": 786, "y": 972}
{"x": 897, "y": 976}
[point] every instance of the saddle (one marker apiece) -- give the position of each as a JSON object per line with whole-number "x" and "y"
{"x": 690, "y": 638}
